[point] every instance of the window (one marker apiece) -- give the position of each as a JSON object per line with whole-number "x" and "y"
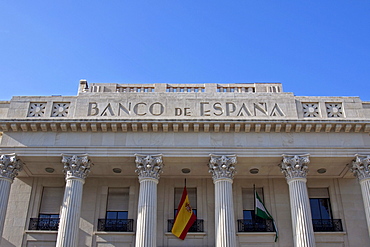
{"x": 248, "y": 202}
{"x": 192, "y": 194}
{"x": 51, "y": 201}
{"x": 251, "y": 222}
{"x": 117, "y": 204}
{"x": 116, "y": 217}
{"x": 321, "y": 211}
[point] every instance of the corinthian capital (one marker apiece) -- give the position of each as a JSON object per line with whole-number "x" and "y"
{"x": 295, "y": 166}
{"x": 361, "y": 166}
{"x": 149, "y": 166}
{"x": 222, "y": 166}
{"x": 77, "y": 166}
{"x": 10, "y": 166}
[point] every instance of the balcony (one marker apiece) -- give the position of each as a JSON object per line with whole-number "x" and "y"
{"x": 327, "y": 225}
{"x": 196, "y": 227}
{"x": 116, "y": 225}
{"x": 251, "y": 225}
{"x": 44, "y": 224}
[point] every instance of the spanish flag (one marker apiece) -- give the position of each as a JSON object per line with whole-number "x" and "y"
{"x": 185, "y": 217}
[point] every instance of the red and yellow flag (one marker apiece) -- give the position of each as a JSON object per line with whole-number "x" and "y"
{"x": 185, "y": 217}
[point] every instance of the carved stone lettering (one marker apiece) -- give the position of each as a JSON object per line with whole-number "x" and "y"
{"x": 125, "y": 109}
{"x": 108, "y": 111}
{"x": 187, "y": 112}
{"x": 139, "y": 109}
{"x": 244, "y": 110}
{"x": 276, "y": 111}
{"x": 260, "y": 107}
{"x": 156, "y": 109}
{"x": 204, "y": 109}
{"x": 178, "y": 111}
{"x": 230, "y": 108}
{"x": 93, "y": 109}
{"x": 217, "y": 106}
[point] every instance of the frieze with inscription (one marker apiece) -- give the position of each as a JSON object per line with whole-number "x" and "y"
{"x": 200, "y": 109}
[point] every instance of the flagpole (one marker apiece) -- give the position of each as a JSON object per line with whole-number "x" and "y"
{"x": 254, "y": 197}
{"x": 185, "y": 182}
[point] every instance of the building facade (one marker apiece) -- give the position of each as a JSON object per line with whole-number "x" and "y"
{"x": 107, "y": 167}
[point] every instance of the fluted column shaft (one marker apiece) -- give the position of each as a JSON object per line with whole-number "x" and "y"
{"x": 146, "y": 235}
{"x": 365, "y": 189}
{"x": 76, "y": 169}
{"x": 295, "y": 169}
{"x": 148, "y": 169}
{"x": 361, "y": 169}
{"x": 222, "y": 168}
{"x": 224, "y": 213}
{"x": 70, "y": 215}
{"x": 9, "y": 168}
{"x": 301, "y": 213}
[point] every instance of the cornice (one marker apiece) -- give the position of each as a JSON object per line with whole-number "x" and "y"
{"x": 184, "y": 125}
{"x": 129, "y": 151}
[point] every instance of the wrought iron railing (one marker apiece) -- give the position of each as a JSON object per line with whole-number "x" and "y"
{"x": 44, "y": 224}
{"x": 260, "y": 225}
{"x": 116, "y": 225}
{"x": 331, "y": 225}
{"x": 196, "y": 227}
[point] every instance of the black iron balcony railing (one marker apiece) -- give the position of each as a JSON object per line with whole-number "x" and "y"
{"x": 260, "y": 225}
{"x": 116, "y": 225}
{"x": 331, "y": 225}
{"x": 44, "y": 224}
{"x": 196, "y": 227}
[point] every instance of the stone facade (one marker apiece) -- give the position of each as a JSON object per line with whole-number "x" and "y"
{"x": 141, "y": 141}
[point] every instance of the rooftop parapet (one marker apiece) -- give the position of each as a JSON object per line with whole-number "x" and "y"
{"x": 180, "y": 88}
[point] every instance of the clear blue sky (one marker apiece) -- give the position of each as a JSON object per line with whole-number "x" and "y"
{"x": 314, "y": 48}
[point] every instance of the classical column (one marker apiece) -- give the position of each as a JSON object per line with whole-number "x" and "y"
{"x": 76, "y": 169}
{"x": 9, "y": 168}
{"x": 295, "y": 170}
{"x": 361, "y": 169}
{"x": 148, "y": 169}
{"x": 222, "y": 168}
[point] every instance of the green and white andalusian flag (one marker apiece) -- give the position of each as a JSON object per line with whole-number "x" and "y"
{"x": 262, "y": 212}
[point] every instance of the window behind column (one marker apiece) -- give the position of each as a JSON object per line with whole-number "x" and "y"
{"x": 51, "y": 201}
{"x": 116, "y": 217}
{"x": 322, "y": 218}
{"x": 192, "y": 194}
{"x": 251, "y": 222}
{"x": 117, "y": 204}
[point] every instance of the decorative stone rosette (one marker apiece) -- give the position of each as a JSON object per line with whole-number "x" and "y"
{"x": 334, "y": 110}
{"x": 36, "y": 109}
{"x": 76, "y": 166}
{"x": 60, "y": 109}
{"x": 222, "y": 166}
{"x": 10, "y": 166}
{"x": 361, "y": 166}
{"x": 149, "y": 166}
{"x": 295, "y": 166}
{"x": 311, "y": 109}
